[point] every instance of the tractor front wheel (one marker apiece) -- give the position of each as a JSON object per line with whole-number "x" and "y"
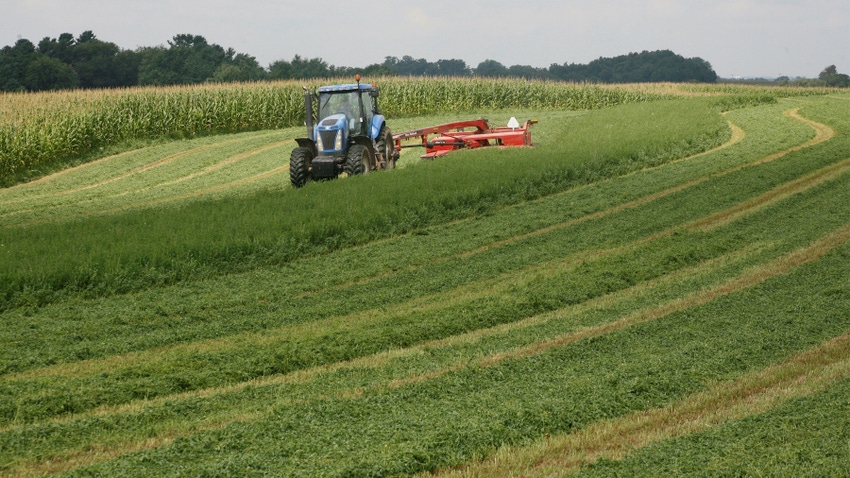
{"x": 299, "y": 166}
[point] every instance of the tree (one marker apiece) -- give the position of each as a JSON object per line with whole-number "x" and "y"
{"x": 408, "y": 66}
{"x": 98, "y": 64}
{"x": 45, "y": 73}
{"x": 839, "y": 80}
{"x": 94, "y": 61}
{"x": 568, "y": 71}
{"x": 199, "y": 58}
{"x": 309, "y": 68}
{"x": 189, "y": 59}
{"x": 280, "y": 70}
{"x": 378, "y": 69}
{"x": 85, "y": 37}
{"x": 240, "y": 67}
{"x": 61, "y": 49}
{"x": 830, "y": 77}
{"x": 14, "y": 62}
{"x": 491, "y": 68}
{"x": 827, "y": 72}
{"x": 452, "y": 67}
{"x": 126, "y": 67}
{"x": 155, "y": 67}
{"x": 657, "y": 66}
{"x": 527, "y": 72}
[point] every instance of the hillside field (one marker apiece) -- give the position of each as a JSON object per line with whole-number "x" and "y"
{"x": 658, "y": 287}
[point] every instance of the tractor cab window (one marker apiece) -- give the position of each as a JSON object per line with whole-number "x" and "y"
{"x": 367, "y": 107}
{"x": 333, "y": 103}
{"x": 367, "y": 111}
{"x": 347, "y": 104}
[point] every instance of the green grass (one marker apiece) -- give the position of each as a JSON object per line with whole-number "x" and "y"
{"x": 320, "y": 426}
{"x": 110, "y": 254}
{"x": 808, "y": 436}
{"x": 493, "y": 323}
{"x": 78, "y": 340}
{"x": 484, "y": 290}
{"x": 405, "y": 253}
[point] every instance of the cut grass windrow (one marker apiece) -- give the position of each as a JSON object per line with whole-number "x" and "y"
{"x": 130, "y": 189}
{"x": 478, "y": 290}
{"x": 631, "y": 311}
{"x": 823, "y": 133}
{"x": 111, "y": 169}
{"x": 829, "y": 173}
{"x": 455, "y": 300}
{"x": 95, "y": 452}
{"x": 803, "y": 374}
{"x": 759, "y": 274}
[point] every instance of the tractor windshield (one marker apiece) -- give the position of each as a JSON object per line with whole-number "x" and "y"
{"x": 333, "y": 103}
{"x": 347, "y": 104}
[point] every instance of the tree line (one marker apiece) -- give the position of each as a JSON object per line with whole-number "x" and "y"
{"x": 69, "y": 62}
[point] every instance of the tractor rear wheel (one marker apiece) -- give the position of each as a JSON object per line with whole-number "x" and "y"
{"x": 386, "y": 148}
{"x": 357, "y": 160}
{"x": 299, "y": 166}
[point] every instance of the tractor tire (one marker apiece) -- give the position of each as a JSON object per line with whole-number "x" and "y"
{"x": 386, "y": 148}
{"x": 299, "y": 166}
{"x": 357, "y": 160}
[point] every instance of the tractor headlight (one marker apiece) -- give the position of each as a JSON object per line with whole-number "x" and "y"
{"x": 319, "y": 144}
{"x": 338, "y": 142}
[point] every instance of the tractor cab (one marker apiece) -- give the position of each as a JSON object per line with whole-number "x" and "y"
{"x": 347, "y": 103}
{"x": 345, "y": 112}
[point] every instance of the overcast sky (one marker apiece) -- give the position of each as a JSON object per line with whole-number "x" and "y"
{"x": 766, "y": 38}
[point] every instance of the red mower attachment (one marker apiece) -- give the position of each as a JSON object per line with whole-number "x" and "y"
{"x": 442, "y": 139}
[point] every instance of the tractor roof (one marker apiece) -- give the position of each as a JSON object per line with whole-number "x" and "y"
{"x": 349, "y": 87}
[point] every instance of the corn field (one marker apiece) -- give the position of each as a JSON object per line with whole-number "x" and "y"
{"x": 41, "y": 128}
{"x": 46, "y": 127}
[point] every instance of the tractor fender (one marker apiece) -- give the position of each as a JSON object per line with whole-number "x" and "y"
{"x": 309, "y": 144}
{"x": 378, "y": 122}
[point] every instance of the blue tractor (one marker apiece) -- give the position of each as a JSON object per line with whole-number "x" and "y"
{"x": 348, "y": 135}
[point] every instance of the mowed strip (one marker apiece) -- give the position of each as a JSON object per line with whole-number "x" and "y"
{"x": 194, "y": 191}
{"x": 104, "y": 171}
{"x": 206, "y": 191}
{"x": 803, "y": 374}
{"x": 231, "y": 171}
{"x": 823, "y": 133}
{"x": 752, "y": 277}
{"x": 497, "y": 359}
{"x": 202, "y": 159}
{"x": 116, "y": 445}
{"x": 476, "y": 290}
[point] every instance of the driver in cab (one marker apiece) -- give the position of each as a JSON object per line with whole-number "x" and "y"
{"x": 345, "y": 107}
